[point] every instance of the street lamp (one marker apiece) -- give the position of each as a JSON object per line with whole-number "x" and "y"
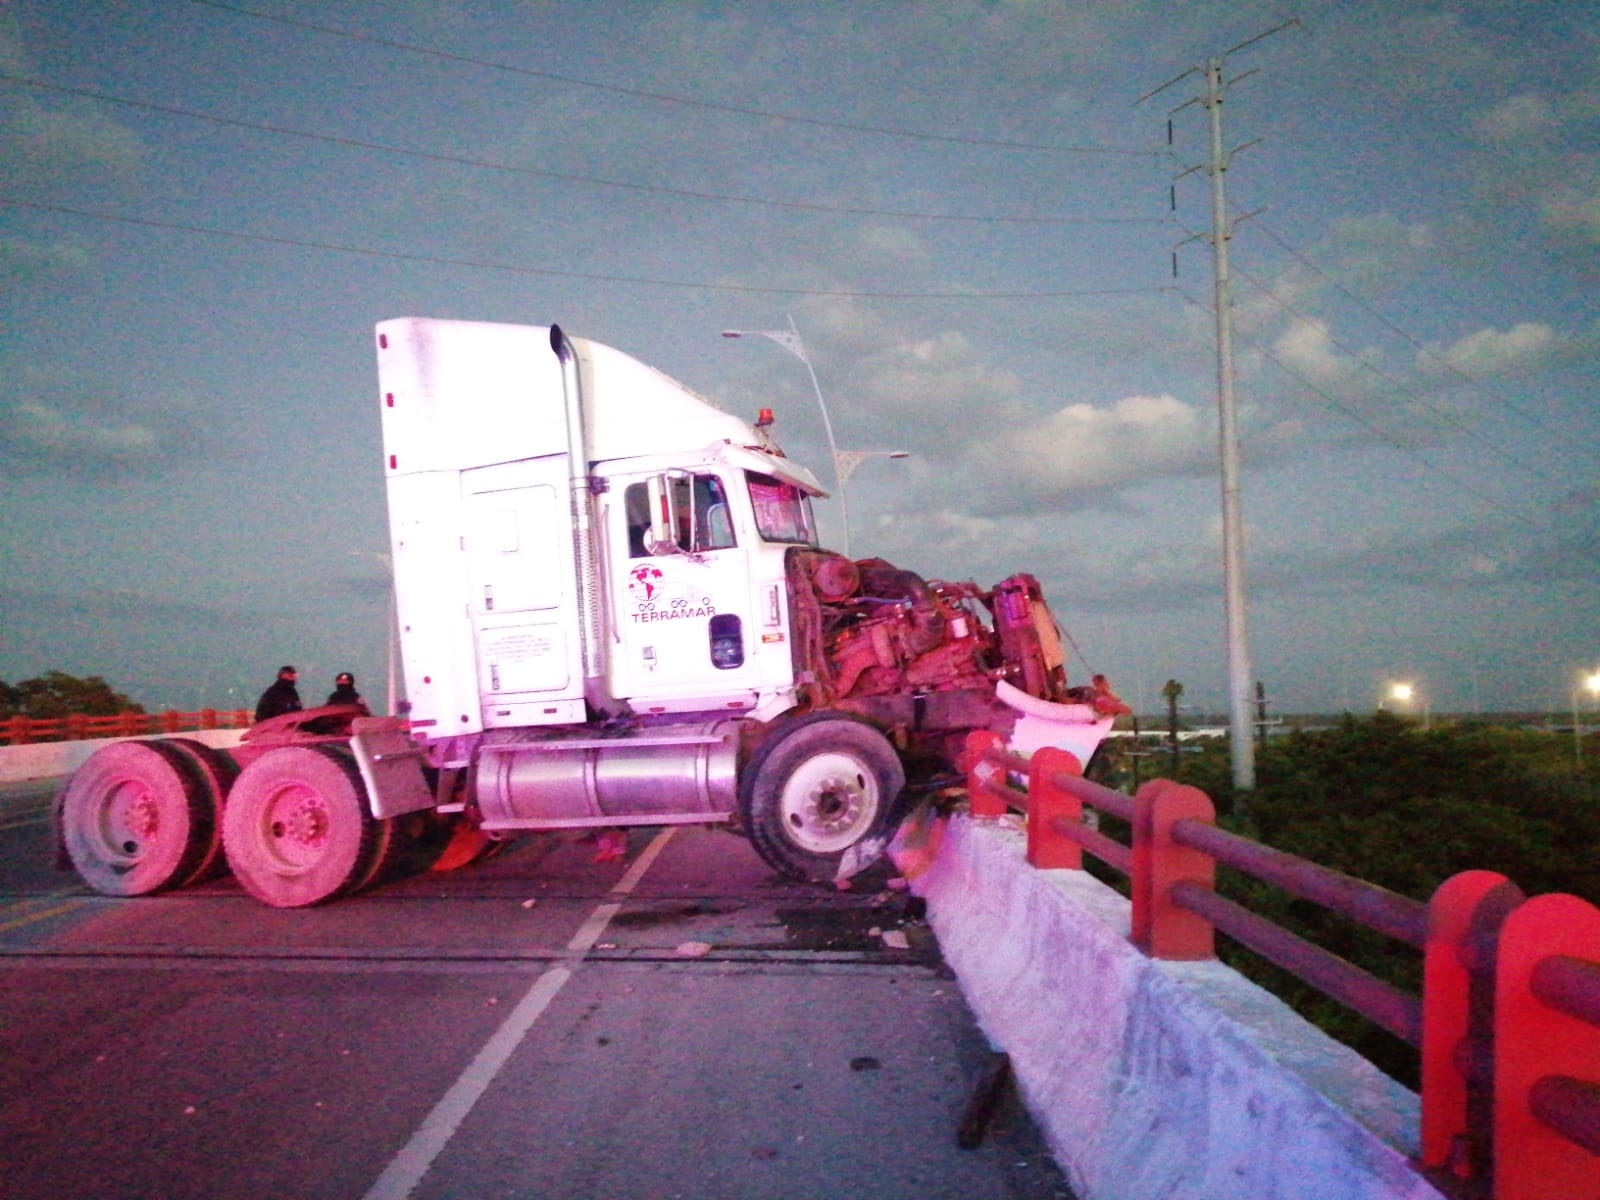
{"x": 844, "y": 461}
{"x": 1589, "y": 682}
{"x": 1406, "y": 693}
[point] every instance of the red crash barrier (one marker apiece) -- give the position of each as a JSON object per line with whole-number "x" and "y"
{"x": 1508, "y": 1023}
{"x": 22, "y": 731}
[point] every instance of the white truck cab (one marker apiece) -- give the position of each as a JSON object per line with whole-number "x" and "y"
{"x": 613, "y": 610}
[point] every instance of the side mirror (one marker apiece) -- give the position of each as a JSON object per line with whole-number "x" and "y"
{"x": 662, "y": 535}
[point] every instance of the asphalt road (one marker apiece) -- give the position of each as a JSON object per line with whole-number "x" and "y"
{"x": 679, "y": 1024}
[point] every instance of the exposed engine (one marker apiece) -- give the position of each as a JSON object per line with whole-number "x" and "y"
{"x": 926, "y": 655}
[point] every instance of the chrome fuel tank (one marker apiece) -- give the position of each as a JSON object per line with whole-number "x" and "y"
{"x": 666, "y": 775}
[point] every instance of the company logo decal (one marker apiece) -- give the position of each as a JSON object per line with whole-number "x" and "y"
{"x": 654, "y": 599}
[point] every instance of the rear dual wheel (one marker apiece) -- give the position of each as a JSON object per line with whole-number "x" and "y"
{"x": 140, "y": 817}
{"x": 297, "y": 828}
{"x": 218, "y": 771}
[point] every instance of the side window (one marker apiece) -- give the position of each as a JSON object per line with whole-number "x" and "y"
{"x": 701, "y": 502}
{"x": 636, "y": 504}
{"x": 713, "y": 522}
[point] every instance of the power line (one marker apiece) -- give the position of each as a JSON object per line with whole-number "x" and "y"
{"x": 1371, "y": 310}
{"x": 591, "y": 181}
{"x": 1445, "y": 417}
{"x": 1398, "y": 387}
{"x": 481, "y": 265}
{"x": 663, "y": 97}
{"x": 1382, "y": 435}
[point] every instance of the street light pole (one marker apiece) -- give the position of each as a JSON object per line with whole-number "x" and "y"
{"x": 844, "y": 461}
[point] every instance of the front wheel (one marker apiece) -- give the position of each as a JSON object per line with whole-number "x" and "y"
{"x": 296, "y": 827}
{"x": 817, "y": 792}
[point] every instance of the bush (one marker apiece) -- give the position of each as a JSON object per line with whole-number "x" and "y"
{"x": 56, "y": 694}
{"x": 1404, "y": 808}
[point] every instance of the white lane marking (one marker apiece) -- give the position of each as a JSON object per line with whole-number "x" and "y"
{"x": 408, "y": 1167}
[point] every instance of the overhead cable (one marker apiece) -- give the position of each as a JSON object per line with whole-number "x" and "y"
{"x": 483, "y": 265}
{"x": 1382, "y": 435}
{"x": 514, "y": 169}
{"x": 663, "y": 97}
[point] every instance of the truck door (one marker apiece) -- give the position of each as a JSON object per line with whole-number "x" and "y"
{"x": 523, "y": 598}
{"x": 681, "y": 617}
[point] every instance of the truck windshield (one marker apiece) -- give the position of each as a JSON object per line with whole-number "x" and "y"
{"x": 783, "y": 511}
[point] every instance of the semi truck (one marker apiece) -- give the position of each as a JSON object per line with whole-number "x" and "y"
{"x": 613, "y": 609}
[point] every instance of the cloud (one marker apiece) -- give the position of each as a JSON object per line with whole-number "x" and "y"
{"x": 1306, "y": 348}
{"x": 1084, "y": 455}
{"x": 942, "y": 382}
{"x": 1460, "y": 559}
{"x": 1573, "y": 209}
{"x": 75, "y": 142}
{"x": 1311, "y": 352}
{"x": 1517, "y": 119}
{"x": 23, "y": 259}
{"x": 49, "y": 439}
{"x": 1535, "y": 155}
{"x": 1491, "y": 352}
{"x": 74, "y": 428}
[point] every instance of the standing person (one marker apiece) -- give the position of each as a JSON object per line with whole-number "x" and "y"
{"x": 282, "y": 697}
{"x": 344, "y": 692}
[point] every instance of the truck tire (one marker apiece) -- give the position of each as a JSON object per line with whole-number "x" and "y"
{"x": 296, "y": 827}
{"x": 816, "y": 788}
{"x": 391, "y": 842}
{"x": 218, "y": 772}
{"x": 136, "y": 818}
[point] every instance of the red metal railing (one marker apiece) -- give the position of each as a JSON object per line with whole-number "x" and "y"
{"x": 21, "y": 731}
{"x": 1508, "y": 1023}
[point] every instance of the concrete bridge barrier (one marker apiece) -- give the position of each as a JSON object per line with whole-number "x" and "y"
{"x": 47, "y": 760}
{"x": 1179, "y": 1080}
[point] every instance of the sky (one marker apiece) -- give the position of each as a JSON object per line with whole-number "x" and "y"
{"x": 989, "y": 221}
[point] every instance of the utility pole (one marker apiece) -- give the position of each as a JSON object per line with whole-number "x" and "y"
{"x": 1241, "y": 717}
{"x": 1241, "y": 725}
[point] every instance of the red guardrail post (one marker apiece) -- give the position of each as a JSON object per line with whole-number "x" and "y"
{"x": 981, "y": 743}
{"x": 1535, "y": 1042}
{"x": 1049, "y": 802}
{"x": 16, "y": 730}
{"x": 1457, "y": 1020}
{"x": 1160, "y": 928}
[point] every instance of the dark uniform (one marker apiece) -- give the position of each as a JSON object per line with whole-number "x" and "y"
{"x": 344, "y": 692}
{"x": 282, "y": 697}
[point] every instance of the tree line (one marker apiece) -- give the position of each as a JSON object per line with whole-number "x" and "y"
{"x": 1406, "y": 808}
{"x": 56, "y": 694}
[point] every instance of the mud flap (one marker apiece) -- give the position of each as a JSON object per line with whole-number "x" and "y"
{"x": 391, "y": 766}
